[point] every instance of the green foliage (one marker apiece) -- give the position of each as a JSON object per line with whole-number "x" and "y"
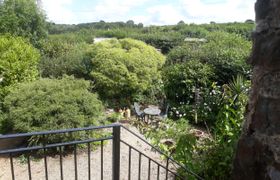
{"x": 225, "y": 52}
{"x": 228, "y": 54}
{"x": 123, "y": 69}
{"x": 191, "y": 30}
{"x": 219, "y": 156}
{"x": 61, "y": 58}
{"x": 242, "y": 29}
{"x": 184, "y": 53}
{"x": 114, "y": 117}
{"x": 161, "y": 40}
{"x": 210, "y": 157}
{"x": 23, "y": 18}
{"x": 18, "y": 61}
{"x": 183, "y": 83}
{"x": 177, "y": 140}
{"x": 50, "y": 104}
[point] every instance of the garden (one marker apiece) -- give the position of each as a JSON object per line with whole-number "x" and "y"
{"x": 55, "y": 77}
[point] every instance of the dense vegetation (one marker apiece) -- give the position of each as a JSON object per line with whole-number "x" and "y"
{"x": 124, "y": 69}
{"x": 204, "y": 78}
{"x": 23, "y": 18}
{"x": 51, "y": 104}
{"x": 18, "y": 62}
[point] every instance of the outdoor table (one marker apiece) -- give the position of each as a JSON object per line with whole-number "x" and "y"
{"x": 152, "y": 111}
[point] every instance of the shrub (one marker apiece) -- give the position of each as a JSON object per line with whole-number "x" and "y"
{"x": 227, "y": 53}
{"x": 124, "y": 69}
{"x": 176, "y": 139}
{"x": 18, "y": 61}
{"x": 188, "y": 85}
{"x": 61, "y": 58}
{"x": 161, "y": 40}
{"x": 218, "y": 154}
{"x": 184, "y": 53}
{"x": 50, "y": 104}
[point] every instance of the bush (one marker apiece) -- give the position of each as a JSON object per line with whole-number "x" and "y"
{"x": 217, "y": 155}
{"x": 61, "y": 58}
{"x": 50, "y": 104}
{"x": 187, "y": 86}
{"x": 124, "y": 69}
{"x": 184, "y": 53}
{"x": 18, "y": 61}
{"x": 227, "y": 53}
{"x": 161, "y": 40}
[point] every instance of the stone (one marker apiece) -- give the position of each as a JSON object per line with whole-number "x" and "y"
{"x": 258, "y": 149}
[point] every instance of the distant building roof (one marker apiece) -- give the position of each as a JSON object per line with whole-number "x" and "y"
{"x": 188, "y": 39}
{"x": 100, "y": 39}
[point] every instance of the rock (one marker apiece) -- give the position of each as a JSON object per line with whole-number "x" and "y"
{"x": 258, "y": 150}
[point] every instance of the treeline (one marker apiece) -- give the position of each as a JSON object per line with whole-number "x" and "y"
{"x": 162, "y": 37}
{"x": 65, "y": 28}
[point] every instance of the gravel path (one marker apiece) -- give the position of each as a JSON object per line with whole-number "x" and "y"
{"x": 37, "y": 167}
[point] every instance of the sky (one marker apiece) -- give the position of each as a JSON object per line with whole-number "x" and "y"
{"x": 148, "y": 12}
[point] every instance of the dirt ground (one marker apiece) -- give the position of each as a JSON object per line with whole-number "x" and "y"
{"x": 38, "y": 171}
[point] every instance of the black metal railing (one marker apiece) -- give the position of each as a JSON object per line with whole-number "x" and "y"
{"x": 113, "y": 134}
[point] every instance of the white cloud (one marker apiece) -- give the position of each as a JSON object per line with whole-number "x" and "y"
{"x": 164, "y": 14}
{"x": 110, "y": 10}
{"x": 197, "y": 11}
{"x": 57, "y": 11}
{"x": 221, "y": 11}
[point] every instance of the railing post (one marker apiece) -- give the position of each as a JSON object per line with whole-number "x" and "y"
{"x": 116, "y": 152}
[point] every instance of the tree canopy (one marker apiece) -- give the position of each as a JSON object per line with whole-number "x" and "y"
{"x": 23, "y": 18}
{"x": 125, "y": 68}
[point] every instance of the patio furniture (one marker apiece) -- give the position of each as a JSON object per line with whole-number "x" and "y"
{"x": 139, "y": 114}
{"x": 151, "y": 111}
{"x": 163, "y": 114}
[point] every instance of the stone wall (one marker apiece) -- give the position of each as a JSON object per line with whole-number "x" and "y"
{"x": 258, "y": 153}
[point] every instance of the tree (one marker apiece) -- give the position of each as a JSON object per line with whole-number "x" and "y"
{"x": 123, "y": 69}
{"x": 250, "y": 21}
{"x": 23, "y": 18}
{"x": 140, "y": 25}
{"x": 130, "y": 23}
{"x": 181, "y": 22}
{"x": 18, "y": 61}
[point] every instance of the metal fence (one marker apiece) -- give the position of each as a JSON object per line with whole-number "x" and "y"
{"x": 113, "y": 134}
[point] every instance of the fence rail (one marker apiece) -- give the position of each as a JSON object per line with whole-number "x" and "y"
{"x": 114, "y": 136}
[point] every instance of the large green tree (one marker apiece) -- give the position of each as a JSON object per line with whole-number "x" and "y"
{"x": 123, "y": 69}
{"x": 23, "y": 18}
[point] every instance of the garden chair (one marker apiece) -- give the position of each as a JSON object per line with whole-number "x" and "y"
{"x": 164, "y": 113}
{"x": 139, "y": 114}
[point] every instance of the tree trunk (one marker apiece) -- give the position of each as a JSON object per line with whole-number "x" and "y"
{"x": 258, "y": 151}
